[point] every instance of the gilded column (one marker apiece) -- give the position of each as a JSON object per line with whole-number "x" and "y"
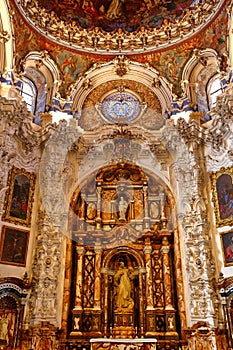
{"x": 82, "y": 208}
{"x": 146, "y": 209}
{"x": 141, "y": 304}
{"x": 98, "y": 217}
{"x": 132, "y": 210}
{"x": 82, "y": 212}
{"x": 78, "y": 299}
{"x": 167, "y": 274}
{"x": 98, "y": 252}
{"x": 149, "y": 288}
{"x": 105, "y": 302}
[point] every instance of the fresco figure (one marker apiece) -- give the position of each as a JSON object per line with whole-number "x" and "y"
{"x": 115, "y": 10}
{"x": 88, "y": 7}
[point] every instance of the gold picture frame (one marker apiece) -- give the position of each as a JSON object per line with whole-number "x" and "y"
{"x": 227, "y": 247}
{"x": 19, "y": 197}
{"x": 222, "y": 189}
{"x": 13, "y": 246}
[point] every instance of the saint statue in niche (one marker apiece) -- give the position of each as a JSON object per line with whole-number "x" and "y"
{"x": 122, "y": 207}
{"x": 91, "y": 211}
{"x": 154, "y": 210}
{"x": 123, "y": 287}
{"x": 4, "y": 327}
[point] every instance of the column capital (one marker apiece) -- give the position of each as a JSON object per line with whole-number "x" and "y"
{"x": 80, "y": 250}
{"x": 147, "y": 249}
{"x": 99, "y": 189}
{"x": 141, "y": 270}
{"x": 98, "y": 249}
{"x": 165, "y": 249}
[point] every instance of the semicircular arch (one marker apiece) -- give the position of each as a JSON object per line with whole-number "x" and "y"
{"x": 121, "y": 69}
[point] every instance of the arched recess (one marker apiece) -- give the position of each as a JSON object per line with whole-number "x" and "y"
{"x": 6, "y": 42}
{"x": 43, "y": 72}
{"x": 202, "y": 66}
{"x": 13, "y": 293}
{"x": 124, "y": 269}
{"x": 104, "y": 238}
{"x": 121, "y": 68}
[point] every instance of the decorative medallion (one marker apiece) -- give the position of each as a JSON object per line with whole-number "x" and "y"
{"x": 142, "y": 100}
{"x": 121, "y": 107}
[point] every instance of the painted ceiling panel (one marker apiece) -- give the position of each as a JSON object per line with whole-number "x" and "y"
{"x": 168, "y": 62}
{"x": 118, "y": 26}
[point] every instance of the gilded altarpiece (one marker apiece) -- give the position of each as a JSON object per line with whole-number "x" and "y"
{"x": 123, "y": 275}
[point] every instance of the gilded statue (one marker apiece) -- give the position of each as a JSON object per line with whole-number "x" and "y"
{"x": 3, "y": 327}
{"x": 123, "y": 287}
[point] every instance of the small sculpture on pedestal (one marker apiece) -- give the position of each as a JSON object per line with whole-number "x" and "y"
{"x": 122, "y": 207}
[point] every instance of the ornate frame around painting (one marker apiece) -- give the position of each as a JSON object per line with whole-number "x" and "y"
{"x": 222, "y": 188}
{"x": 19, "y": 197}
{"x": 227, "y": 247}
{"x": 13, "y": 246}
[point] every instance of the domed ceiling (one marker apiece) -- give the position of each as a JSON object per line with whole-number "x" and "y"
{"x": 118, "y": 26}
{"x": 112, "y": 14}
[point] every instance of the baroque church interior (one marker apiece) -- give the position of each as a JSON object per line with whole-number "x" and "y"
{"x": 116, "y": 186}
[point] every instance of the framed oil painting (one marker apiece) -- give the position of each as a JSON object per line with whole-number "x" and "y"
{"x": 19, "y": 197}
{"x": 13, "y": 246}
{"x": 222, "y": 187}
{"x": 227, "y": 247}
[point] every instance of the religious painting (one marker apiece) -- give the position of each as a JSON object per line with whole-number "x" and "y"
{"x": 13, "y": 247}
{"x": 19, "y": 197}
{"x": 227, "y": 247}
{"x": 222, "y": 187}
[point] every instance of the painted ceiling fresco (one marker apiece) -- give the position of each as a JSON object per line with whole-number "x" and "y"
{"x": 118, "y": 26}
{"x": 113, "y": 14}
{"x": 168, "y": 62}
